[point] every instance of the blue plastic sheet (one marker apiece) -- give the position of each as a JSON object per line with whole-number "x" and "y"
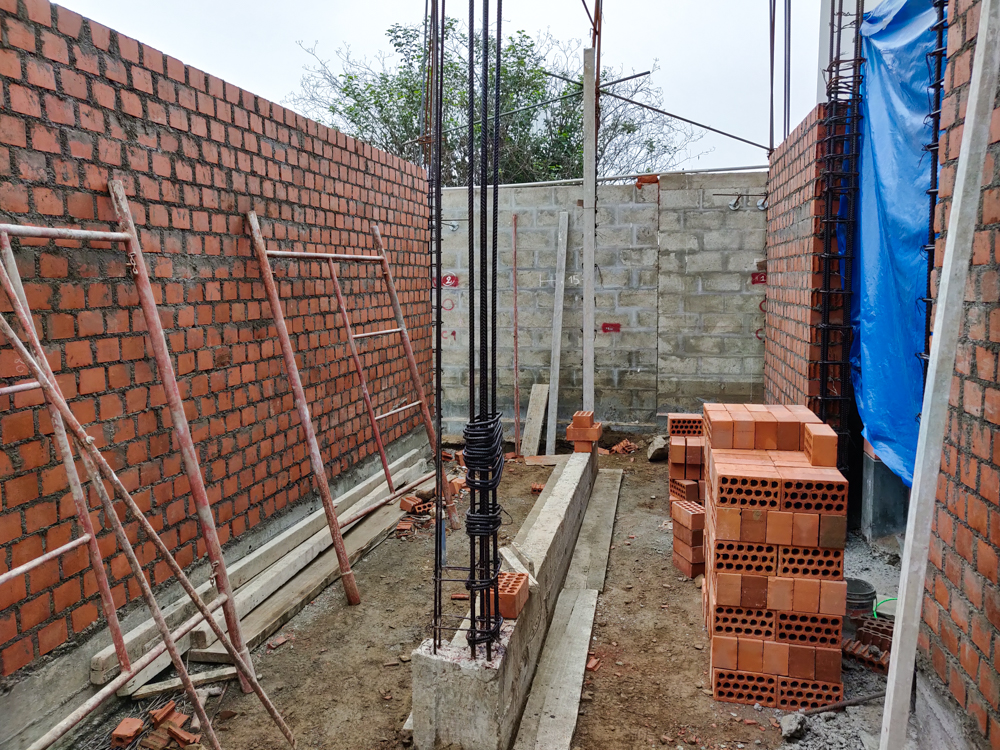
{"x": 891, "y": 267}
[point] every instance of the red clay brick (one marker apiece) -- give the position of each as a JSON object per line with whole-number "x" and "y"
{"x": 750, "y": 654}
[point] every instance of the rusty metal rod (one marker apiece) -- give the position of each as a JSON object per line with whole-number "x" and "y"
{"x": 62, "y": 233}
{"x": 92, "y": 460}
{"x": 109, "y": 510}
{"x": 324, "y": 256}
{"x": 41, "y": 559}
{"x": 64, "y": 726}
{"x": 359, "y": 368}
{"x": 91, "y": 456}
{"x": 316, "y": 459}
{"x": 358, "y": 515}
{"x": 181, "y": 429}
{"x": 65, "y": 451}
{"x": 411, "y": 362}
{"x": 19, "y": 387}
{"x": 844, "y": 704}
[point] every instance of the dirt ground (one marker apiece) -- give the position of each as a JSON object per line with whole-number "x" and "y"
{"x": 342, "y": 680}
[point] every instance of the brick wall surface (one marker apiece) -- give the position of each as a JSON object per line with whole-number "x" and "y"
{"x": 793, "y": 265}
{"x": 961, "y": 612}
{"x": 82, "y": 104}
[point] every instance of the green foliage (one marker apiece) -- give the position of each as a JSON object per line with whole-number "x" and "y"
{"x": 382, "y": 102}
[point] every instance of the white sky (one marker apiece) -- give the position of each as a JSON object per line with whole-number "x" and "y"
{"x": 713, "y": 54}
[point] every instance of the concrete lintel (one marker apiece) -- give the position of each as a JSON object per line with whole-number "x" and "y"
{"x": 472, "y": 704}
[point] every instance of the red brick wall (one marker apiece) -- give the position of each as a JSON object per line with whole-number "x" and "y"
{"x": 82, "y": 104}
{"x": 793, "y": 242}
{"x": 961, "y": 610}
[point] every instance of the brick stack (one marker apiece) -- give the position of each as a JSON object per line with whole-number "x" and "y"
{"x": 689, "y": 537}
{"x": 686, "y": 467}
{"x": 584, "y": 432}
{"x": 775, "y": 530}
{"x": 686, "y": 456}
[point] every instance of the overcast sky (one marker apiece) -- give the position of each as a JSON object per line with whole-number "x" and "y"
{"x": 713, "y": 55}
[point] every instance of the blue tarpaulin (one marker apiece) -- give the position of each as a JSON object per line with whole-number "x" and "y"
{"x": 891, "y": 267}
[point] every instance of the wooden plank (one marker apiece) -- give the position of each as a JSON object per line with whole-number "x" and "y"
{"x": 533, "y": 421}
{"x": 104, "y": 664}
{"x": 253, "y": 594}
{"x": 197, "y": 678}
{"x": 546, "y": 460}
{"x": 557, "y": 326}
{"x": 288, "y": 601}
{"x": 550, "y": 713}
{"x": 949, "y": 313}
{"x": 590, "y": 557}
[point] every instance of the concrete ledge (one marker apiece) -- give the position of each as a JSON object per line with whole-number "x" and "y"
{"x": 471, "y": 704}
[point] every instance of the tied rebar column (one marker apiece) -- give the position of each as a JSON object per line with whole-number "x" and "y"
{"x": 935, "y": 92}
{"x": 484, "y": 456}
{"x": 839, "y": 183}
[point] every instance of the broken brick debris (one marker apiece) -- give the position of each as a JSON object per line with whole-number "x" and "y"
{"x": 126, "y": 731}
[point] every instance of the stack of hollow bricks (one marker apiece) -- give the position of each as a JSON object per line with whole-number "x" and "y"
{"x": 776, "y": 525}
{"x": 584, "y": 432}
{"x": 794, "y": 271}
{"x": 82, "y": 104}
{"x": 687, "y": 490}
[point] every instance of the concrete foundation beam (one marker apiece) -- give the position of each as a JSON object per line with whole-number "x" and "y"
{"x": 468, "y": 704}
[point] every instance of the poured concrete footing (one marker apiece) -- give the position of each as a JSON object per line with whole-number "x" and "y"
{"x": 459, "y": 702}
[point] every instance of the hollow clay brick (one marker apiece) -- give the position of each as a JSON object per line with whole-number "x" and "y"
{"x": 805, "y": 530}
{"x": 678, "y": 450}
{"x": 806, "y": 597}
{"x": 688, "y": 514}
{"x": 583, "y": 447}
{"x": 691, "y": 537}
{"x": 748, "y": 688}
{"x": 739, "y": 621}
{"x": 779, "y": 527}
{"x": 750, "y": 656}
{"x": 828, "y": 664}
{"x": 685, "y": 489}
{"x": 833, "y": 531}
{"x": 513, "y": 593}
{"x": 694, "y": 451}
{"x": 675, "y": 471}
{"x": 833, "y": 597}
{"x": 684, "y": 424}
{"x": 780, "y": 593}
{"x": 753, "y": 525}
{"x": 802, "y": 628}
{"x": 583, "y": 419}
{"x": 588, "y": 434}
{"x": 795, "y": 694}
{"x": 689, "y": 569}
{"x": 765, "y": 431}
{"x": 820, "y": 443}
{"x": 802, "y": 661}
{"x": 693, "y": 472}
{"x": 694, "y": 555}
{"x": 775, "y": 658}
{"x": 728, "y": 589}
{"x": 753, "y": 592}
{"x": 724, "y": 652}
{"x": 720, "y": 429}
{"x": 743, "y": 430}
{"x": 789, "y": 430}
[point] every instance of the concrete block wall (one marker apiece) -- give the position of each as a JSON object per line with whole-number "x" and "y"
{"x": 673, "y": 271}
{"x": 960, "y": 632}
{"x": 709, "y": 311}
{"x": 82, "y": 104}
